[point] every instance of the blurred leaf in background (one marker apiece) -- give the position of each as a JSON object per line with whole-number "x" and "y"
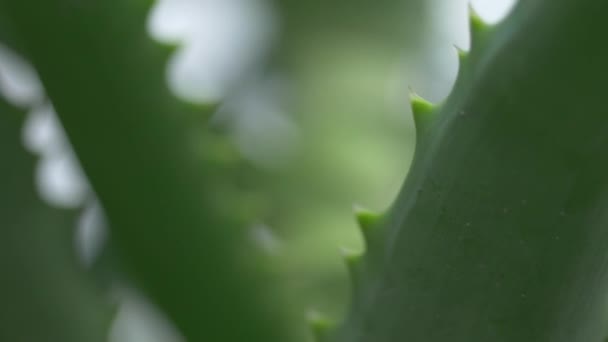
{"x": 319, "y": 106}
{"x": 344, "y": 62}
{"x": 44, "y": 291}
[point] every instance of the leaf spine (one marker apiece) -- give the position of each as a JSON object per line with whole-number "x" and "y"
{"x": 367, "y": 221}
{"x": 423, "y": 112}
{"x": 320, "y": 325}
{"x": 353, "y": 261}
{"x": 477, "y": 26}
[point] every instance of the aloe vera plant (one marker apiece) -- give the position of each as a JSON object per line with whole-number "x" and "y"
{"x": 499, "y": 232}
{"x": 497, "y": 235}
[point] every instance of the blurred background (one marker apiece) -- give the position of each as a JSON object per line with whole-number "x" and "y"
{"x": 313, "y": 93}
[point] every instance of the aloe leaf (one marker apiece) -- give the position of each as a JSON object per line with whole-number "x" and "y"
{"x": 45, "y": 295}
{"x": 500, "y": 231}
{"x": 151, "y": 161}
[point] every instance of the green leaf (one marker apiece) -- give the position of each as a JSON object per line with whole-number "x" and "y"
{"x": 499, "y": 233}
{"x": 45, "y": 295}
{"x": 147, "y": 157}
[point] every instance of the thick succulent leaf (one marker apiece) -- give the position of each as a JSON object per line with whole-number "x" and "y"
{"x": 44, "y": 294}
{"x": 152, "y": 163}
{"x": 500, "y": 231}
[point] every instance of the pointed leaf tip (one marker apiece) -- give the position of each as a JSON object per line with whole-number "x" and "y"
{"x": 462, "y": 59}
{"x": 320, "y": 325}
{"x": 351, "y": 256}
{"x": 366, "y": 220}
{"x": 423, "y": 111}
{"x": 478, "y": 26}
{"x": 462, "y": 53}
{"x": 352, "y": 260}
{"x": 420, "y": 106}
{"x": 475, "y": 19}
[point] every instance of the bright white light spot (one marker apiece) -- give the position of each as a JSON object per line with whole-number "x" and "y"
{"x": 493, "y": 10}
{"x": 60, "y": 181}
{"x": 59, "y": 177}
{"x": 42, "y": 132}
{"x": 222, "y": 40}
{"x": 19, "y": 82}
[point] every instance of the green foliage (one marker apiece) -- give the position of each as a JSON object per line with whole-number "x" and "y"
{"x": 141, "y": 150}
{"x": 44, "y": 295}
{"x": 497, "y": 234}
{"x": 354, "y": 138}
